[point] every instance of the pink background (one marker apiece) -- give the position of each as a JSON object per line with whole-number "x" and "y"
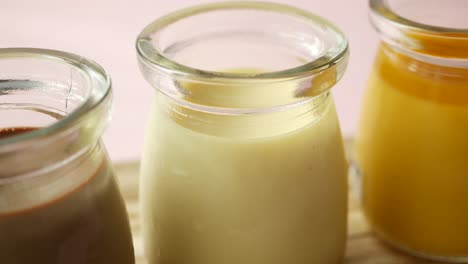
{"x": 105, "y": 31}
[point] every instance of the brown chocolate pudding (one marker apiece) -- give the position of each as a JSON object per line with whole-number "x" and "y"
{"x": 8, "y": 132}
{"x": 87, "y": 225}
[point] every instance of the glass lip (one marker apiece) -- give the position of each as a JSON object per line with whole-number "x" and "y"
{"x": 382, "y": 9}
{"x": 156, "y": 58}
{"x": 92, "y": 70}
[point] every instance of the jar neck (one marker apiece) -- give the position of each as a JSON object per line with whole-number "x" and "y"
{"x": 48, "y": 152}
{"x": 436, "y": 83}
{"x": 253, "y": 125}
{"x": 424, "y": 67}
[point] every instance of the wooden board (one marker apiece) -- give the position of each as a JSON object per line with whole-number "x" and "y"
{"x": 363, "y": 247}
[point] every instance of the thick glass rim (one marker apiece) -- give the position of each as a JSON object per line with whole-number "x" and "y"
{"x": 382, "y": 8}
{"x": 151, "y": 56}
{"x": 91, "y": 69}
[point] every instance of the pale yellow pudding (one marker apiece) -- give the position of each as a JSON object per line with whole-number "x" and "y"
{"x": 258, "y": 189}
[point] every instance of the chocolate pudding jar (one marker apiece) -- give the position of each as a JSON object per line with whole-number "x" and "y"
{"x": 59, "y": 199}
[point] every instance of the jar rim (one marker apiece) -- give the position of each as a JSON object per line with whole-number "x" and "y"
{"x": 382, "y": 8}
{"x": 438, "y": 45}
{"x": 97, "y": 94}
{"x": 150, "y": 55}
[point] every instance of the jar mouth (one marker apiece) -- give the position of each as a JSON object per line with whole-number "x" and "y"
{"x": 99, "y": 89}
{"x": 152, "y": 56}
{"x": 423, "y": 27}
{"x": 384, "y": 9}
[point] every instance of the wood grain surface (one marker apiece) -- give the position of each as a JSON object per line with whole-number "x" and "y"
{"x": 363, "y": 247}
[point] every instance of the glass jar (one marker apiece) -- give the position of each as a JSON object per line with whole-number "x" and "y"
{"x": 413, "y": 135}
{"x": 243, "y": 159}
{"x": 59, "y": 200}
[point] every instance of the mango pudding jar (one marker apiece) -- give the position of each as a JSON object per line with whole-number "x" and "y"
{"x": 243, "y": 159}
{"x": 413, "y": 136}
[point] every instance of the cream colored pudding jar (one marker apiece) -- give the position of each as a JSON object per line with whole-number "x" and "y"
{"x": 243, "y": 159}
